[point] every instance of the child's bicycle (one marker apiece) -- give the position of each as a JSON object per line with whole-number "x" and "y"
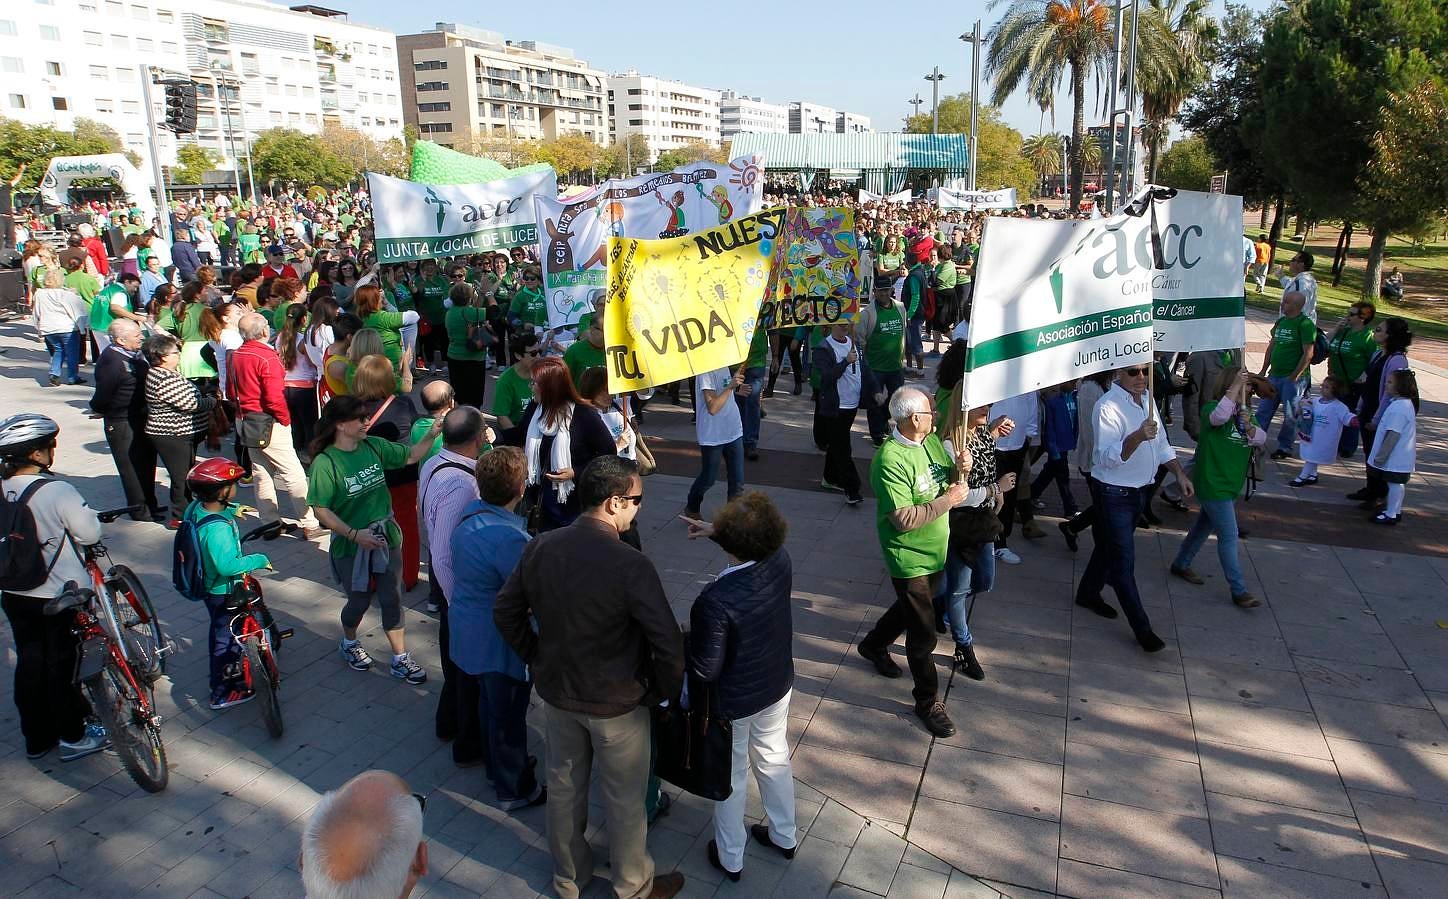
{"x": 254, "y": 630}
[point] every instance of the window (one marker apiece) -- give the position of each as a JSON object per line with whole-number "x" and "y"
{"x": 17, "y": 101}
{"x": 435, "y": 128}
{"x": 52, "y": 68}
{"x": 140, "y": 13}
{"x": 12, "y": 64}
{"x": 88, "y": 6}
{"x": 275, "y": 117}
{"x": 135, "y": 139}
{"x": 120, "y": 42}
{"x": 291, "y": 90}
{"x": 294, "y": 118}
{"x": 105, "y": 105}
{"x": 95, "y": 39}
{"x": 432, "y": 86}
{"x": 308, "y": 91}
{"x": 311, "y": 118}
{"x": 7, "y": 27}
{"x": 100, "y": 73}
{"x": 635, "y": 121}
{"x": 169, "y": 48}
{"x": 164, "y": 15}
{"x": 125, "y": 74}
{"x": 115, "y": 8}
{"x": 273, "y": 88}
{"x": 131, "y": 107}
{"x": 59, "y": 103}
{"x": 430, "y": 65}
{"x": 145, "y": 44}
{"x": 434, "y": 107}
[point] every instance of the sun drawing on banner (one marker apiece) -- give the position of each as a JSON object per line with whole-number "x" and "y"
{"x": 745, "y": 173}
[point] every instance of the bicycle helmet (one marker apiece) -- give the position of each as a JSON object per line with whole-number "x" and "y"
{"x": 214, "y": 472}
{"x": 26, "y": 432}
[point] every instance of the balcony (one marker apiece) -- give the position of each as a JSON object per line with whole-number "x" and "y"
{"x": 324, "y": 46}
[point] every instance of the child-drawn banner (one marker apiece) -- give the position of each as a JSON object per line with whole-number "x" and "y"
{"x": 426, "y": 221}
{"x": 816, "y": 274}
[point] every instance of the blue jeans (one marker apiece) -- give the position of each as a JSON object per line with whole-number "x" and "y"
{"x": 1267, "y": 407}
{"x": 225, "y": 654}
{"x": 879, "y": 416}
{"x": 1113, "y": 558}
{"x": 914, "y": 343}
{"x": 503, "y": 714}
{"x": 733, "y": 455}
{"x": 962, "y": 580}
{"x": 1218, "y": 516}
{"x": 64, "y": 349}
{"x": 749, "y": 405}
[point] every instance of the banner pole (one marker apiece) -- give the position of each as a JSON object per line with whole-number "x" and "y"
{"x": 1151, "y": 388}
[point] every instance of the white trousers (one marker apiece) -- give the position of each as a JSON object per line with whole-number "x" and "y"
{"x": 278, "y": 466}
{"x": 761, "y": 742}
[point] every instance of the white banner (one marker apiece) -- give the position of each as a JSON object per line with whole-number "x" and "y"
{"x": 426, "y": 221}
{"x": 903, "y": 196}
{"x": 865, "y": 196}
{"x": 946, "y": 198}
{"x": 1055, "y": 301}
{"x": 573, "y": 234}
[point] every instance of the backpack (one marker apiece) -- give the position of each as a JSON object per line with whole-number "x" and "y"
{"x": 187, "y": 575}
{"x": 22, "y": 552}
{"x": 1320, "y": 348}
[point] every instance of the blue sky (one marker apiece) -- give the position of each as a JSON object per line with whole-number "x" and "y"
{"x": 859, "y": 59}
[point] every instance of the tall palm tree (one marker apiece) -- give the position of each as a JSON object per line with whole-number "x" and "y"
{"x": 1174, "y": 37}
{"x": 1043, "y": 152}
{"x": 1041, "y": 43}
{"x": 1090, "y": 154}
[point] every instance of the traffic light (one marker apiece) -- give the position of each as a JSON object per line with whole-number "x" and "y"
{"x": 181, "y": 106}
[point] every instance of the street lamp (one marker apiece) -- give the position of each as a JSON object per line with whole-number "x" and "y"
{"x": 915, "y": 102}
{"x": 935, "y": 77}
{"x": 974, "y": 40}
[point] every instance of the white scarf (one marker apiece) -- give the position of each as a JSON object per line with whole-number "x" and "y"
{"x": 560, "y": 459}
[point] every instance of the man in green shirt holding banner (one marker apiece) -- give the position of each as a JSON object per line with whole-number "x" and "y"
{"x": 880, "y": 329}
{"x": 916, "y": 483}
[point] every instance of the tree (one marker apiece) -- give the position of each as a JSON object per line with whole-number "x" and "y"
{"x": 1040, "y": 43}
{"x": 1090, "y": 153}
{"x": 1328, "y": 75}
{"x": 89, "y": 132}
{"x": 1405, "y": 187}
{"x": 35, "y": 145}
{"x": 193, "y": 161}
{"x": 1043, "y": 152}
{"x": 281, "y": 155}
{"x": 697, "y": 151}
{"x": 571, "y": 154}
{"x": 1175, "y": 35}
{"x": 998, "y": 147}
{"x": 1187, "y": 165}
{"x": 624, "y": 157}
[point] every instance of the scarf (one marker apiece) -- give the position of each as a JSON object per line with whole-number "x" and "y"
{"x": 559, "y": 459}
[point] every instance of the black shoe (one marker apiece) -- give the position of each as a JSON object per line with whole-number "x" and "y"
{"x": 965, "y": 660}
{"x": 798, "y": 388}
{"x": 714, "y": 860}
{"x": 1069, "y": 534}
{"x": 936, "y": 720}
{"x": 880, "y": 658}
{"x": 1151, "y": 642}
{"x": 940, "y": 627}
{"x": 768, "y": 392}
{"x": 763, "y": 413}
{"x": 1360, "y": 495}
{"x": 751, "y": 453}
{"x": 761, "y": 835}
{"x": 1098, "y": 606}
{"x": 1281, "y": 454}
{"x": 854, "y": 500}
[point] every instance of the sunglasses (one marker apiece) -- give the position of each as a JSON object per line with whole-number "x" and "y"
{"x": 1134, "y": 372}
{"x": 637, "y": 499}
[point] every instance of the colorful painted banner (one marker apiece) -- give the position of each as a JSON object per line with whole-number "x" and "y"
{"x": 1056, "y": 301}
{"x": 816, "y": 277}
{"x": 686, "y": 305}
{"x": 427, "y": 221}
{"x": 574, "y": 233}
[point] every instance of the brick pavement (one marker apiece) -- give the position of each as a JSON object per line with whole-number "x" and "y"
{"x": 1297, "y": 750}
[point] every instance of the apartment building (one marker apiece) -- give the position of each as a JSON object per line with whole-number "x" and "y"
{"x": 740, "y": 113}
{"x": 811, "y": 118}
{"x": 669, "y": 114}
{"x": 460, "y": 82}
{"x": 852, "y": 123}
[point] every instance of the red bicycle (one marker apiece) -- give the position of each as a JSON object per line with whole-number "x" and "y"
{"x": 256, "y": 632}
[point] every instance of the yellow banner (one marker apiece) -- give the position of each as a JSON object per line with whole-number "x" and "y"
{"x": 686, "y": 305}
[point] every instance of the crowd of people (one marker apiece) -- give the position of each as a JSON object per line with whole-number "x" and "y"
{"x": 353, "y": 398}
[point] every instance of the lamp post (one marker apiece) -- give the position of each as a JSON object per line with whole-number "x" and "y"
{"x": 915, "y": 101}
{"x": 974, "y": 40}
{"x": 935, "y": 77}
{"x": 226, "y": 113}
{"x": 1127, "y": 170}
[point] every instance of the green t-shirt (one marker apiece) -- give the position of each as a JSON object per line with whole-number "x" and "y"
{"x": 84, "y": 283}
{"x": 889, "y": 261}
{"x": 945, "y": 276}
{"x": 902, "y": 476}
{"x": 531, "y": 306}
{"x": 887, "y": 341}
{"x": 430, "y": 303}
{"x": 100, "y": 316}
{"x": 584, "y": 320}
{"x": 758, "y": 349}
{"x": 419, "y": 430}
{"x": 1220, "y": 468}
{"x": 1293, "y": 336}
{"x": 915, "y": 284}
{"x": 580, "y": 357}
{"x": 512, "y": 395}
{"x": 401, "y": 296}
{"x": 1349, "y": 353}
{"x": 458, "y": 320}
{"x": 389, "y": 326}
{"x": 354, "y": 487}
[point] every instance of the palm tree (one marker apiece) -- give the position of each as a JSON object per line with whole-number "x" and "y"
{"x": 1090, "y": 154}
{"x": 1174, "y": 36}
{"x": 1041, "y": 43}
{"x": 1043, "y": 152}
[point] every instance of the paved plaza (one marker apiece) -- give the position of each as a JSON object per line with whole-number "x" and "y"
{"x": 1299, "y": 749}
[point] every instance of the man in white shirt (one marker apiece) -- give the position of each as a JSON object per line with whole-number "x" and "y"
{"x": 1299, "y": 277}
{"x": 1129, "y": 446}
{"x": 720, "y": 432}
{"x": 840, "y": 368}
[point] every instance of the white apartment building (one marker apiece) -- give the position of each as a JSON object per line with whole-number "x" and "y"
{"x": 852, "y": 123}
{"x": 459, "y": 81}
{"x": 669, "y": 114}
{"x": 297, "y": 68}
{"x": 740, "y": 113}
{"x": 811, "y": 118}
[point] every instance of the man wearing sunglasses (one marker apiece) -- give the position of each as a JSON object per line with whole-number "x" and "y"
{"x": 1129, "y": 447}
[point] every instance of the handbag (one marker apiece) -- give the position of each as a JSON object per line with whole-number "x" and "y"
{"x": 255, "y": 429}
{"x": 479, "y": 338}
{"x": 695, "y": 746}
{"x": 973, "y": 526}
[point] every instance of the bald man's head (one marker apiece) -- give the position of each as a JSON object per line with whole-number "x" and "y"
{"x": 1292, "y": 302}
{"x": 364, "y": 841}
{"x": 253, "y": 326}
{"x": 436, "y": 396}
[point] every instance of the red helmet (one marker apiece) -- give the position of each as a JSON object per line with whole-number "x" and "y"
{"x": 214, "y": 472}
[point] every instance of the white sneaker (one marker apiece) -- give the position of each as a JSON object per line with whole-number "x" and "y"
{"x": 404, "y": 668}
{"x": 94, "y": 741}
{"x": 1007, "y": 555}
{"x": 355, "y": 656}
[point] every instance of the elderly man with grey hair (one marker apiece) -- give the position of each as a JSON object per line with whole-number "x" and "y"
{"x": 255, "y": 378}
{"x": 364, "y": 840}
{"x": 120, "y": 401}
{"x": 916, "y": 483}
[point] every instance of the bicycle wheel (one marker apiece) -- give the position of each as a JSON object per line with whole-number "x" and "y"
{"x": 265, "y": 683}
{"x": 137, "y": 741}
{"x": 140, "y": 626}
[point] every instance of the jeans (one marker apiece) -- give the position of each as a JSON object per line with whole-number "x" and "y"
{"x": 914, "y": 343}
{"x": 503, "y": 713}
{"x": 761, "y": 742}
{"x": 839, "y": 464}
{"x": 1113, "y": 557}
{"x": 962, "y": 580}
{"x": 749, "y": 405}
{"x": 50, "y": 702}
{"x": 1218, "y": 516}
{"x": 64, "y": 349}
{"x": 879, "y": 416}
{"x": 913, "y": 614}
{"x": 225, "y": 654}
{"x": 733, "y": 455}
{"x": 1267, "y": 407}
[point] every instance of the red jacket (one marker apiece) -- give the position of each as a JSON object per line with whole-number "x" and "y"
{"x": 97, "y": 251}
{"x": 286, "y": 271}
{"x": 255, "y": 377}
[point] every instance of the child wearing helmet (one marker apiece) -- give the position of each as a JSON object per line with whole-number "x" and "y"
{"x": 213, "y": 514}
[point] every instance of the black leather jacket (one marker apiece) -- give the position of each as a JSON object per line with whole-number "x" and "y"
{"x": 741, "y": 635}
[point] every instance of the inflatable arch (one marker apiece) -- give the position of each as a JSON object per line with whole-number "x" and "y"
{"x": 55, "y": 186}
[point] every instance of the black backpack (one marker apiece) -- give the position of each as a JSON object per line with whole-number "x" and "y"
{"x": 22, "y": 552}
{"x": 187, "y": 574}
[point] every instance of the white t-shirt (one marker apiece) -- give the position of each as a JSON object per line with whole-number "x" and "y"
{"x": 720, "y": 428}
{"x": 849, "y": 382}
{"x": 618, "y": 427}
{"x": 1329, "y": 417}
{"x": 1400, "y": 417}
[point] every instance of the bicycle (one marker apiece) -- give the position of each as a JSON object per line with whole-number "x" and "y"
{"x": 256, "y": 632}
{"x": 120, "y": 692}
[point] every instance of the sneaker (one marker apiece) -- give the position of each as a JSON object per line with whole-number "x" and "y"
{"x": 1007, "y": 555}
{"x": 227, "y": 697}
{"x": 404, "y": 668}
{"x": 828, "y": 486}
{"x": 965, "y": 660}
{"x": 432, "y": 605}
{"x": 936, "y": 720}
{"x": 1280, "y": 454}
{"x": 854, "y": 500}
{"x": 54, "y": 381}
{"x": 1038, "y": 504}
{"x": 1186, "y": 574}
{"x": 355, "y": 656}
{"x": 1385, "y": 518}
{"x": 1246, "y": 601}
{"x": 1069, "y": 535}
{"x": 539, "y": 797}
{"x": 1303, "y": 482}
{"x": 94, "y": 741}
